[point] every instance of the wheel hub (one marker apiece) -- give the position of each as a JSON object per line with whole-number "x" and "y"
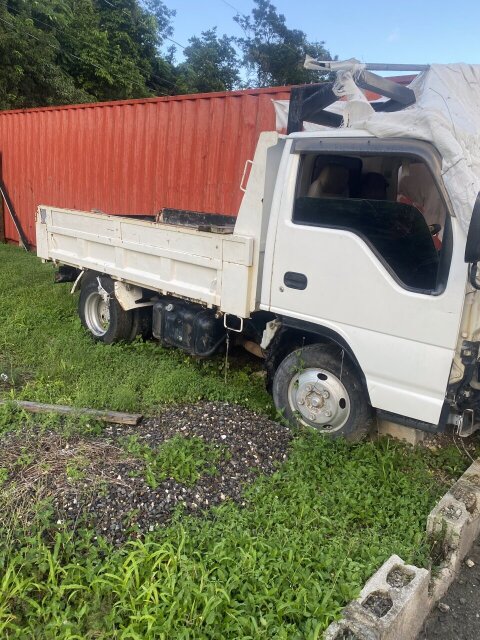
{"x": 320, "y": 398}
{"x": 97, "y": 314}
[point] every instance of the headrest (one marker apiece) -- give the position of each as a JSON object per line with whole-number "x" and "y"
{"x": 332, "y": 181}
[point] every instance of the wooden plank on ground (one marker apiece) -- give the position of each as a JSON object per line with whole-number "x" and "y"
{"x": 116, "y": 417}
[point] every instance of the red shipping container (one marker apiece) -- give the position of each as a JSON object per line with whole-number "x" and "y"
{"x": 134, "y": 156}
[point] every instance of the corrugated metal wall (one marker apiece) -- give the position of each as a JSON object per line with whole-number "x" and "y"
{"x": 133, "y": 157}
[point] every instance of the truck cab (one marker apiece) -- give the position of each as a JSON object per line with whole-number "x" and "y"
{"x": 364, "y": 251}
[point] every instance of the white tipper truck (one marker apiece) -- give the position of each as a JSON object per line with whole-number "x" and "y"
{"x": 350, "y": 268}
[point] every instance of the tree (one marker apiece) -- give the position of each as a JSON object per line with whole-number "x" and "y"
{"x": 135, "y": 33}
{"x": 272, "y": 52}
{"x": 29, "y": 73}
{"x": 211, "y": 64}
{"x": 65, "y": 51}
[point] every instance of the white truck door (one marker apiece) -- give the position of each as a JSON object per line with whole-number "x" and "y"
{"x": 327, "y": 272}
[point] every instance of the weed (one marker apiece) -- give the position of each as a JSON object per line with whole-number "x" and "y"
{"x": 182, "y": 459}
{"x": 283, "y": 566}
{"x": 62, "y": 364}
{"x": 450, "y": 459}
{"x": 75, "y": 469}
{"x": 25, "y": 458}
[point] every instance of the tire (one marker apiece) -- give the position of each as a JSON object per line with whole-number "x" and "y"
{"x": 141, "y": 323}
{"x": 105, "y": 320}
{"x": 318, "y": 386}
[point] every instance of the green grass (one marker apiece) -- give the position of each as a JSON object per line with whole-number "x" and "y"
{"x": 75, "y": 468}
{"x": 49, "y": 357}
{"x": 282, "y": 566}
{"x": 182, "y": 459}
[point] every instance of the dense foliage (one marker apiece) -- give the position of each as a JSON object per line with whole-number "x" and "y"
{"x": 68, "y": 51}
{"x": 211, "y": 64}
{"x": 64, "y": 51}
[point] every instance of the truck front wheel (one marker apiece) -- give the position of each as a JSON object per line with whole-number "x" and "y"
{"x": 318, "y": 386}
{"x": 100, "y": 312}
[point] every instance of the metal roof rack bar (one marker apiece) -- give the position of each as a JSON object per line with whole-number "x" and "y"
{"x": 381, "y": 66}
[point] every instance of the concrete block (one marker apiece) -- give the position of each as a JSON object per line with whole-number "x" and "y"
{"x": 456, "y": 521}
{"x": 397, "y": 595}
{"x": 391, "y": 605}
{"x": 449, "y": 519}
{"x": 351, "y": 629}
{"x": 400, "y": 432}
{"x": 472, "y": 474}
{"x": 395, "y": 602}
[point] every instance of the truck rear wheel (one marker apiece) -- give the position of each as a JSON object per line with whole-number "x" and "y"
{"x": 100, "y": 312}
{"x": 141, "y": 323}
{"x": 318, "y": 386}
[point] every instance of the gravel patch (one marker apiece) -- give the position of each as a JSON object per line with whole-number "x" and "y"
{"x": 104, "y": 487}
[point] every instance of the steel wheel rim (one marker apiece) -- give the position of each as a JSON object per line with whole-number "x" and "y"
{"x": 97, "y": 314}
{"x": 319, "y": 399}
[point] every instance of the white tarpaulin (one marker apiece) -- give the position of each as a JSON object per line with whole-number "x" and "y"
{"x": 446, "y": 113}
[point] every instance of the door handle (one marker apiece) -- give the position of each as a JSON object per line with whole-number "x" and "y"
{"x": 294, "y": 280}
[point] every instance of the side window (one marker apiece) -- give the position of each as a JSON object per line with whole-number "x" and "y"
{"x": 392, "y": 203}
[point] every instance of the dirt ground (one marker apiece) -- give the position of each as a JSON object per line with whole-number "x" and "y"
{"x": 457, "y": 615}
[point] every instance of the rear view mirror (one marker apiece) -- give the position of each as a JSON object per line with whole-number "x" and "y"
{"x": 472, "y": 248}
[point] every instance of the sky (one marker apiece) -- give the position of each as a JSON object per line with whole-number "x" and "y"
{"x": 402, "y": 31}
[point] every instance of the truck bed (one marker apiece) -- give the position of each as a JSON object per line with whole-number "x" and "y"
{"x": 215, "y": 269}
